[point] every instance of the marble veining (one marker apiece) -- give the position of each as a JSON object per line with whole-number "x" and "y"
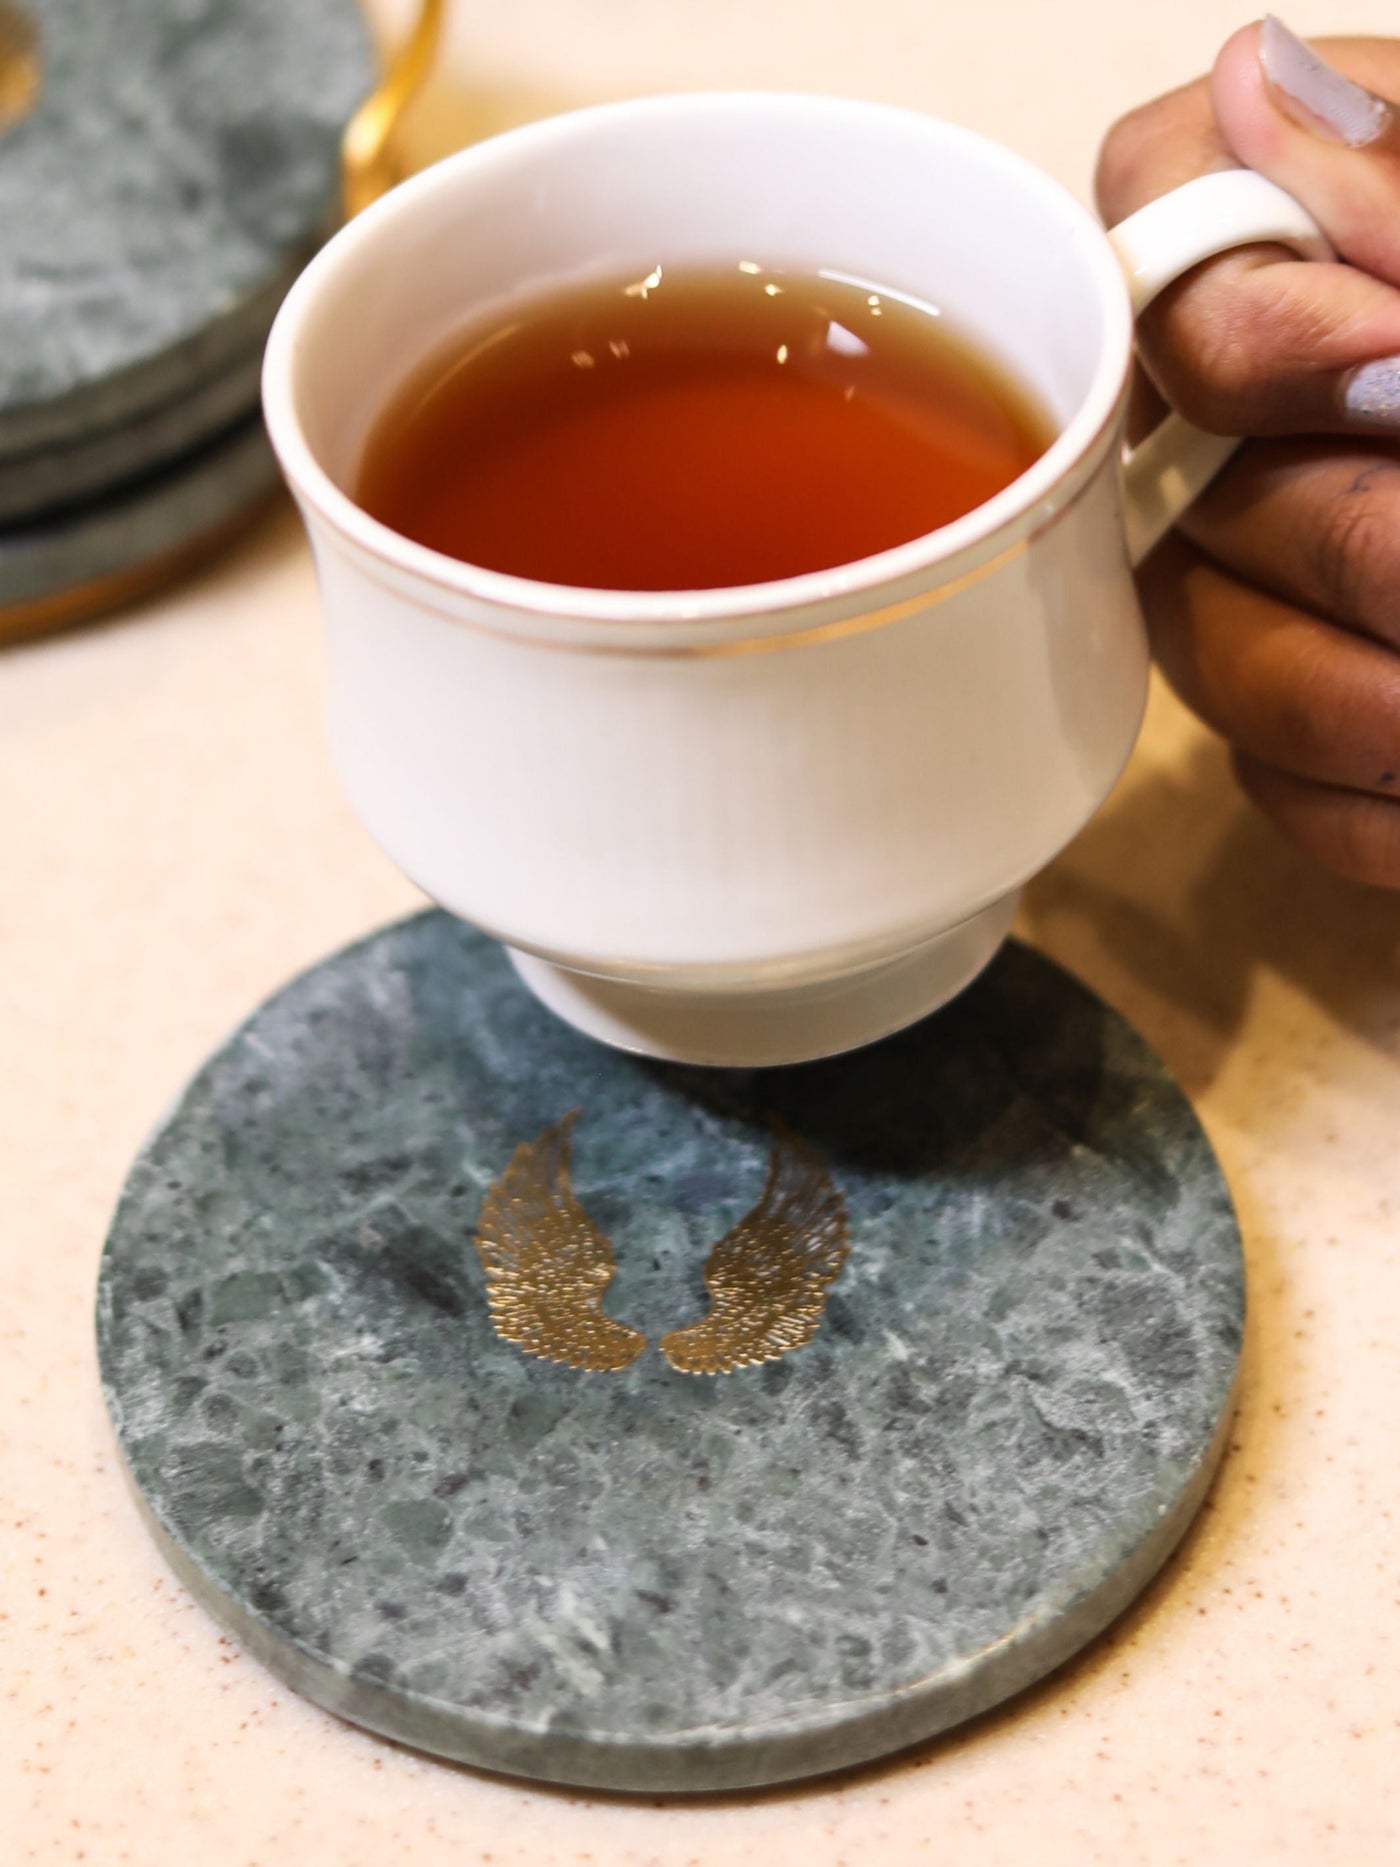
{"x": 636, "y": 1578}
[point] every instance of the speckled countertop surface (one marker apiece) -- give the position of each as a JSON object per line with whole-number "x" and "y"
{"x": 173, "y": 845}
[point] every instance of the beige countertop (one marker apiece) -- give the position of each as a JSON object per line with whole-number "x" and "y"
{"x": 173, "y": 845}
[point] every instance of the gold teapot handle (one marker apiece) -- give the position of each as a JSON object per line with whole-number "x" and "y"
{"x": 368, "y": 165}
{"x": 19, "y": 63}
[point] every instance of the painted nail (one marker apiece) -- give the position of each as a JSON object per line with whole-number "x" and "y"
{"x": 1315, "y": 94}
{"x": 1371, "y": 394}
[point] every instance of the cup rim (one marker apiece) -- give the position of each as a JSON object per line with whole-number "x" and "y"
{"x": 1030, "y": 502}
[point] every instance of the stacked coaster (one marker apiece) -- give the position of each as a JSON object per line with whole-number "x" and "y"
{"x": 179, "y": 164}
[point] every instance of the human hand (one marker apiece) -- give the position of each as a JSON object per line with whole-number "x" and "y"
{"x": 1274, "y": 610}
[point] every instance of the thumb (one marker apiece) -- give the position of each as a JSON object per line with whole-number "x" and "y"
{"x": 1320, "y": 121}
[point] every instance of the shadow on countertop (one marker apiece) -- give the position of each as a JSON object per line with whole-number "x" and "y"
{"x": 1179, "y": 896}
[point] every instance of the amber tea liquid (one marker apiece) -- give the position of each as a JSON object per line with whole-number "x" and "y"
{"x": 697, "y": 428}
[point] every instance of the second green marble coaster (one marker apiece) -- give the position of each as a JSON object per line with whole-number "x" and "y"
{"x": 104, "y": 542}
{"x": 179, "y": 165}
{"x": 641, "y": 1578}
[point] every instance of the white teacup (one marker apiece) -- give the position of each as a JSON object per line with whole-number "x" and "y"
{"x": 752, "y": 825}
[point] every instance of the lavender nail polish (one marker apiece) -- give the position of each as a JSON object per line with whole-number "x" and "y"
{"x": 1371, "y": 393}
{"x": 1346, "y": 112}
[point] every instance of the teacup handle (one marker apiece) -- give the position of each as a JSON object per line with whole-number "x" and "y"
{"x": 1236, "y": 207}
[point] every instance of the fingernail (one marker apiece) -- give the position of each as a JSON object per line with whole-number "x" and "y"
{"x": 1303, "y": 82}
{"x": 1371, "y": 394}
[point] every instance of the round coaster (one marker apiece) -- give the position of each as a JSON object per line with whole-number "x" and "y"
{"x": 993, "y": 1256}
{"x": 40, "y": 485}
{"x": 180, "y": 163}
{"x": 144, "y": 524}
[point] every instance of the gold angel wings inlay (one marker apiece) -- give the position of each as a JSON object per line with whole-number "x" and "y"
{"x": 547, "y": 1265}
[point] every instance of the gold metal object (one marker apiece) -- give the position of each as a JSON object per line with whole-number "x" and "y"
{"x": 19, "y": 63}
{"x": 369, "y": 166}
{"x": 547, "y": 1264}
{"x": 769, "y": 1275}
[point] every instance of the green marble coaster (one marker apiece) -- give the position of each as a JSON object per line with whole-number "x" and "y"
{"x": 179, "y": 165}
{"x": 141, "y": 523}
{"x": 44, "y": 485}
{"x": 646, "y": 1579}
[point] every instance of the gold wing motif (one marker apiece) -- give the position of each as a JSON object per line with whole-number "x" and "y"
{"x": 768, "y": 1276}
{"x": 547, "y": 1264}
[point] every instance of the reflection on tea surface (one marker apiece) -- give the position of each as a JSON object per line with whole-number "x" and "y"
{"x": 687, "y": 429}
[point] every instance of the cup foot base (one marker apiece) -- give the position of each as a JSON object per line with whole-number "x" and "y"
{"x": 757, "y": 1029}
